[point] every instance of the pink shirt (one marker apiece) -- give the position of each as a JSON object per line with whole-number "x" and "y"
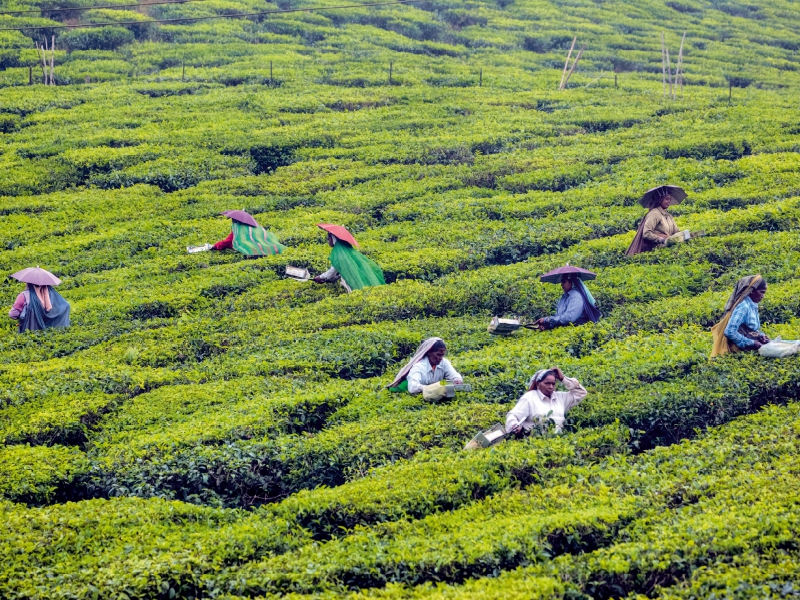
{"x": 19, "y": 304}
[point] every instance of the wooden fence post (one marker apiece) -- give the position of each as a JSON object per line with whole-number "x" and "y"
{"x": 270, "y": 72}
{"x": 615, "y": 80}
{"x": 480, "y": 81}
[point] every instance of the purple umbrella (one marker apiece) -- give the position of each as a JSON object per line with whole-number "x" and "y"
{"x": 241, "y": 217}
{"x": 677, "y": 193}
{"x": 36, "y": 276}
{"x": 555, "y": 275}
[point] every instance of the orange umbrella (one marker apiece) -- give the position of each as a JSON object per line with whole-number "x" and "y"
{"x": 339, "y": 232}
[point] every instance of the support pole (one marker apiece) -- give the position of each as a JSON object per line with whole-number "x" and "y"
{"x": 30, "y": 75}
{"x": 391, "y": 65}
{"x": 43, "y": 57}
{"x": 615, "y": 80}
{"x": 663, "y": 67}
{"x": 575, "y": 64}
{"x": 679, "y": 68}
{"x": 183, "y": 70}
{"x": 669, "y": 74}
{"x": 270, "y": 72}
{"x": 566, "y": 63}
{"x": 52, "y": 61}
{"x": 480, "y": 81}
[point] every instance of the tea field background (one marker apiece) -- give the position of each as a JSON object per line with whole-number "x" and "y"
{"x": 208, "y": 428}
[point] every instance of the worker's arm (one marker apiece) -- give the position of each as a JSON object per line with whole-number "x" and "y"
{"x": 415, "y": 384}
{"x": 571, "y": 312}
{"x": 19, "y": 304}
{"x": 517, "y": 415}
{"x": 330, "y": 275}
{"x": 651, "y": 221}
{"x": 225, "y": 244}
{"x": 450, "y": 374}
{"x": 738, "y": 317}
{"x": 575, "y": 392}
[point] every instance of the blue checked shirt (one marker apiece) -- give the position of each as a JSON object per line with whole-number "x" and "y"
{"x": 745, "y": 313}
{"x": 568, "y": 310}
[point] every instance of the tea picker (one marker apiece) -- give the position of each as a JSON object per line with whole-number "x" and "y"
{"x": 39, "y": 306}
{"x": 658, "y": 228}
{"x": 541, "y": 403}
{"x": 246, "y": 237}
{"x": 576, "y": 305}
{"x": 353, "y": 270}
{"x": 429, "y": 373}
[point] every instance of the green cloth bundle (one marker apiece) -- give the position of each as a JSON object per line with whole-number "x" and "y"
{"x": 255, "y": 241}
{"x": 356, "y": 269}
{"x": 401, "y": 387}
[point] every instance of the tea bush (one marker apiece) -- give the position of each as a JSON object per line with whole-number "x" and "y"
{"x": 208, "y": 427}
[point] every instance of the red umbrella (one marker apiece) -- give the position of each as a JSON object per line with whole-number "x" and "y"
{"x": 339, "y": 232}
{"x": 241, "y": 216}
{"x": 677, "y": 193}
{"x": 555, "y": 275}
{"x": 36, "y": 276}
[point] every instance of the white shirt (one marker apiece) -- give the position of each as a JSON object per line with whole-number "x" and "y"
{"x": 332, "y": 275}
{"x": 535, "y": 406}
{"x": 422, "y": 374}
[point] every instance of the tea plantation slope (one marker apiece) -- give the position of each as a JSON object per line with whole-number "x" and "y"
{"x": 190, "y": 387}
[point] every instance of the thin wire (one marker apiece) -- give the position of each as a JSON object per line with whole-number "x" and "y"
{"x": 257, "y": 14}
{"x": 77, "y": 8}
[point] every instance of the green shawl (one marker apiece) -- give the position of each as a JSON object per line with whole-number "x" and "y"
{"x": 356, "y": 269}
{"x": 255, "y": 241}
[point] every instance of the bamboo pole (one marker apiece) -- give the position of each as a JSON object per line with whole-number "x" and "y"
{"x": 669, "y": 73}
{"x": 679, "y": 67}
{"x": 52, "y": 61}
{"x": 43, "y": 58}
{"x": 575, "y": 64}
{"x": 566, "y": 63}
{"x": 663, "y": 67}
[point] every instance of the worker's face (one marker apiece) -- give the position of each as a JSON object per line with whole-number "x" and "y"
{"x": 331, "y": 240}
{"x": 758, "y": 295}
{"x": 436, "y": 356}
{"x": 666, "y": 201}
{"x": 548, "y": 385}
{"x": 566, "y": 285}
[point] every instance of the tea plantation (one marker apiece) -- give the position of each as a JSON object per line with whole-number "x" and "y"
{"x": 208, "y": 428}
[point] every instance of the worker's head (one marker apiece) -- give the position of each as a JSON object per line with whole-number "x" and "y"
{"x": 757, "y": 295}
{"x": 436, "y": 353}
{"x": 566, "y": 283}
{"x": 544, "y": 381}
{"x": 547, "y": 384}
{"x": 666, "y": 200}
{"x": 331, "y": 239}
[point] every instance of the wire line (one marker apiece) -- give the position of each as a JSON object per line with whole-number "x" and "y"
{"x": 185, "y": 19}
{"x": 77, "y": 8}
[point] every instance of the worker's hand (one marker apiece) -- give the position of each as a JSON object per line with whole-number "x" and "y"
{"x": 541, "y": 324}
{"x": 317, "y": 279}
{"x": 757, "y": 345}
{"x": 764, "y": 339}
{"x": 458, "y": 381}
{"x": 514, "y": 429}
{"x": 558, "y": 372}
